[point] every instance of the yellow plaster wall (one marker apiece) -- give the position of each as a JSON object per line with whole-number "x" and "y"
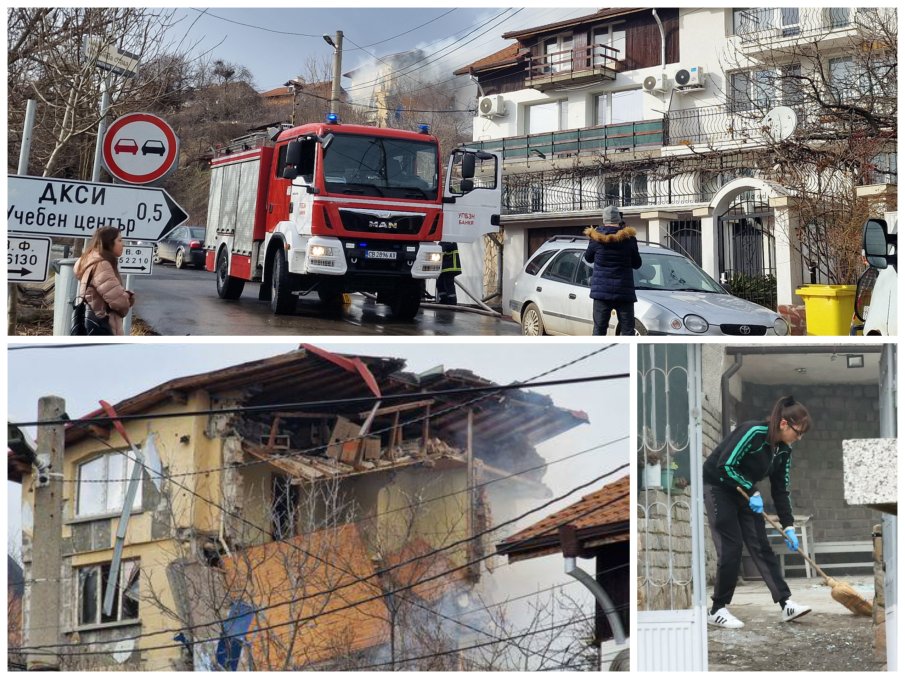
{"x": 438, "y": 522}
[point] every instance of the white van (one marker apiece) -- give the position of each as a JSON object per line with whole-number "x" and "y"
{"x": 877, "y": 296}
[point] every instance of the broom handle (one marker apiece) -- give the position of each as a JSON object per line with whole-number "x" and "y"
{"x": 776, "y": 525}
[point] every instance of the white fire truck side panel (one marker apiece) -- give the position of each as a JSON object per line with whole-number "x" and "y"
{"x": 213, "y": 207}
{"x": 245, "y": 207}
{"x": 229, "y": 196}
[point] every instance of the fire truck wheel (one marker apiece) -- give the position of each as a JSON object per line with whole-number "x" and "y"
{"x": 282, "y": 301}
{"x": 406, "y": 301}
{"x": 228, "y": 287}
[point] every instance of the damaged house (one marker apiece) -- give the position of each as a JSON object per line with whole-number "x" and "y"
{"x": 310, "y": 510}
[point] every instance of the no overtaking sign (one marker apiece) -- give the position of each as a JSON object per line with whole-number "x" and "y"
{"x": 140, "y": 148}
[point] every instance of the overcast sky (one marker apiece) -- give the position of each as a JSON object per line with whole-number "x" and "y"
{"x": 276, "y": 44}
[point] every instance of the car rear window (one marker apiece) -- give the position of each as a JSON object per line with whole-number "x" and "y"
{"x": 538, "y": 261}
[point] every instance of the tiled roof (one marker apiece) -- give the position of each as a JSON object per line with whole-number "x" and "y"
{"x": 577, "y": 21}
{"x": 506, "y": 56}
{"x": 602, "y": 513}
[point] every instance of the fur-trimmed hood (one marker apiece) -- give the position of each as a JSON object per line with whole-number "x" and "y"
{"x": 616, "y": 236}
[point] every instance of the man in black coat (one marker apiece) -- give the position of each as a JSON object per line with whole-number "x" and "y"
{"x": 613, "y": 250}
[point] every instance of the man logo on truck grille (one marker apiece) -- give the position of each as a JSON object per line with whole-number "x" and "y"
{"x": 379, "y": 224}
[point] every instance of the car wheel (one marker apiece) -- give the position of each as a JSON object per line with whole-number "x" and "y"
{"x": 228, "y": 287}
{"x": 180, "y": 258}
{"x": 282, "y": 301}
{"x": 639, "y": 328}
{"x": 532, "y": 323}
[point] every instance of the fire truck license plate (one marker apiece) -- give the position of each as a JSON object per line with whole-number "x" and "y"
{"x": 380, "y": 254}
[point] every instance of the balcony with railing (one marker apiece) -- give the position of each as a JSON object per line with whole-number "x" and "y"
{"x": 584, "y": 141}
{"x": 572, "y": 67}
{"x": 763, "y": 29}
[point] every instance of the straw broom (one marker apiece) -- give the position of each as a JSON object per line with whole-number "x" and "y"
{"x": 841, "y": 591}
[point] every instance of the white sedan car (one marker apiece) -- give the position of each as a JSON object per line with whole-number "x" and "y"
{"x": 675, "y": 296}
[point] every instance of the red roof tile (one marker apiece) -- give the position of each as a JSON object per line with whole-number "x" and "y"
{"x": 602, "y": 513}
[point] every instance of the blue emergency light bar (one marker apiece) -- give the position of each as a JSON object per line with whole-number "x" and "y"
{"x": 332, "y": 119}
{"x": 424, "y": 129}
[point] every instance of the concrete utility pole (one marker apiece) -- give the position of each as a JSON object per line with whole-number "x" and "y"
{"x": 44, "y": 571}
{"x": 12, "y": 290}
{"x": 337, "y": 44}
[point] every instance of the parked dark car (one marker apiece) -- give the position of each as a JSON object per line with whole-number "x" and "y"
{"x": 183, "y": 245}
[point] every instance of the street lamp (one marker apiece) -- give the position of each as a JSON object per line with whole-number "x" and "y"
{"x": 337, "y": 44}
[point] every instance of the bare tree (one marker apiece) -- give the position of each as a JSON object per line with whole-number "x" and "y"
{"x": 837, "y": 69}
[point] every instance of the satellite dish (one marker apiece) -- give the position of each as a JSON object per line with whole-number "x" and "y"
{"x": 780, "y": 123}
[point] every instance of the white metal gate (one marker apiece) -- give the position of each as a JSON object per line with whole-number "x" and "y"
{"x": 672, "y": 610}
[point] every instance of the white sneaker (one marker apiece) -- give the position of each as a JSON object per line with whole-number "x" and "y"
{"x": 723, "y": 618}
{"x": 793, "y": 610}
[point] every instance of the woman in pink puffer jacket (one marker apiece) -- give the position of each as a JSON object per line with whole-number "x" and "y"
{"x": 101, "y": 285}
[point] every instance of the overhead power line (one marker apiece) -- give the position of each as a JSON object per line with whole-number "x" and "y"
{"x": 332, "y": 590}
{"x": 356, "y": 402}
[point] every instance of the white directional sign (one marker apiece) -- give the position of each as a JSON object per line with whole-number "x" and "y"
{"x": 27, "y": 259}
{"x": 59, "y": 207}
{"x": 137, "y": 260}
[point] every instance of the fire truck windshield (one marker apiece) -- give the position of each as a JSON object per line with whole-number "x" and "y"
{"x": 381, "y": 166}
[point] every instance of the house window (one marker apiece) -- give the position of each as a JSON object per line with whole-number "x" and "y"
{"x": 609, "y": 36}
{"x": 885, "y": 168}
{"x": 791, "y": 85}
{"x": 558, "y": 54}
{"x": 92, "y": 585}
{"x": 549, "y": 117}
{"x": 284, "y": 506}
{"x": 620, "y": 190}
{"x": 102, "y": 485}
{"x": 838, "y": 17}
{"x": 789, "y": 19}
{"x": 843, "y": 79}
{"x": 752, "y": 90}
{"x": 750, "y": 19}
{"x": 619, "y": 107}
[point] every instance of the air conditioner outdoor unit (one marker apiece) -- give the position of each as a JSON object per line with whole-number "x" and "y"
{"x": 656, "y": 83}
{"x": 690, "y": 78}
{"x": 492, "y": 106}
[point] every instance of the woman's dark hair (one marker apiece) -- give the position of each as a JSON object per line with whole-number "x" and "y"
{"x": 102, "y": 242}
{"x": 790, "y": 410}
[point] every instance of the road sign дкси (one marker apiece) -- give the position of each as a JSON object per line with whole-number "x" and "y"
{"x": 75, "y": 209}
{"x": 140, "y": 148}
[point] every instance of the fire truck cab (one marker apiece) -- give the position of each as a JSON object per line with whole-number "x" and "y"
{"x": 331, "y": 208}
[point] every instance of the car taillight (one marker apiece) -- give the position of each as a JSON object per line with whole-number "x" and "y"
{"x": 196, "y": 244}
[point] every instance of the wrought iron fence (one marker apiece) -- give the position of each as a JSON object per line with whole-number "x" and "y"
{"x": 766, "y": 25}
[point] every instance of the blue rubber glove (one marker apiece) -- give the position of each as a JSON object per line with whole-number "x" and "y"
{"x": 791, "y": 540}
{"x": 756, "y": 502}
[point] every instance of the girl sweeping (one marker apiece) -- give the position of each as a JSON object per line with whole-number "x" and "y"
{"x": 753, "y": 451}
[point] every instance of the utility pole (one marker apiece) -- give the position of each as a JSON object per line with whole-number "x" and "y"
{"x": 337, "y": 43}
{"x": 43, "y": 573}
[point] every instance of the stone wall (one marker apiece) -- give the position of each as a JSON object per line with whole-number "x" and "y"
{"x": 838, "y": 412}
{"x": 664, "y": 548}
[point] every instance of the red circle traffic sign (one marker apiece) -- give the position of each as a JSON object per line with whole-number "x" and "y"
{"x": 140, "y": 148}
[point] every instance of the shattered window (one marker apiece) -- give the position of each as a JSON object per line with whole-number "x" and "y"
{"x": 92, "y": 585}
{"x": 102, "y": 485}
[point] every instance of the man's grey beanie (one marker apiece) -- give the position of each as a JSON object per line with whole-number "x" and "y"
{"x": 611, "y": 215}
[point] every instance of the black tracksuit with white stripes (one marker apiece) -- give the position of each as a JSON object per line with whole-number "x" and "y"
{"x": 740, "y": 461}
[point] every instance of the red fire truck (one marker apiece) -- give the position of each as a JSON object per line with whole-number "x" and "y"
{"x": 332, "y": 208}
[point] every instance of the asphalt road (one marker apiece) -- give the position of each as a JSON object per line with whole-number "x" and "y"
{"x": 185, "y": 302}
